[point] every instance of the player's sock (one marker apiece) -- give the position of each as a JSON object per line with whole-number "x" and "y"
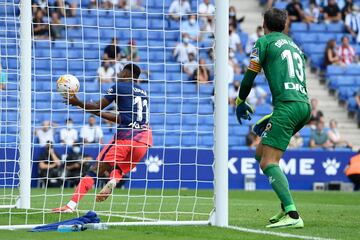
{"x": 82, "y": 188}
{"x": 115, "y": 175}
{"x": 280, "y": 185}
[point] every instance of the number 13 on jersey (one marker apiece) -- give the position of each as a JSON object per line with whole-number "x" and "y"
{"x": 295, "y": 64}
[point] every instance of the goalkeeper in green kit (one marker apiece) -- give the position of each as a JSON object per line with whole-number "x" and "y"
{"x": 284, "y": 67}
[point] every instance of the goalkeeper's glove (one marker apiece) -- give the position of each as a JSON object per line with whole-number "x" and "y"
{"x": 243, "y": 110}
{"x": 260, "y": 125}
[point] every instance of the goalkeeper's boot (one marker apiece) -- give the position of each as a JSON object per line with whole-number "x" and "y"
{"x": 277, "y": 217}
{"x": 106, "y": 191}
{"x": 287, "y": 222}
{"x": 64, "y": 209}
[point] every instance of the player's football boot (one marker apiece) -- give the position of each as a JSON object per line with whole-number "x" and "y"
{"x": 287, "y": 222}
{"x": 64, "y": 209}
{"x": 277, "y": 217}
{"x": 106, "y": 191}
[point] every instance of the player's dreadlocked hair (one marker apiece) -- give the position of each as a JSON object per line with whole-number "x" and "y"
{"x": 275, "y": 19}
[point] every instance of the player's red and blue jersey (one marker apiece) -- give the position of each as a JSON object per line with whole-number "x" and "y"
{"x": 133, "y": 106}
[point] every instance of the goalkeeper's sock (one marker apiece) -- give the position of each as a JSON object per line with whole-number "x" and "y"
{"x": 84, "y": 186}
{"x": 280, "y": 185}
{"x": 116, "y": 175}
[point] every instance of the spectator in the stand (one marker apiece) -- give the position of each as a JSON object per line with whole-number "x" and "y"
{"x": 131, "y": 52}
{"x": 109, "y": 4}
{"x": 253, "y": 38}
{"x": 66, "y": 8}
{"x": 112, "y": 51}
{"x": 312, "y": 13}
{"x": 316, "y": 114}
{"x": 68, "y": 135}
{"x": 208, "y": 29}
{"x": 331, "y": 55}
{"x": 56, "y": 26}
{"x": 105, "y": 72}
{"x": 357, "y": 98}
{"x": 50, "y": 169}
{"x": 346, "y": 52}
{"x": 73, "y": 166}
{"x": 45, "y": 133}
{"x": 202, "y": 73}
{"x": 296, "y": 141}
{"x": 206, "y": 9}
{"x": 233, "y": 92}
{"x": 135, "y": 5}
{"x": 40, "y": 28}
{"x": 91, "y": 133}
{"x": 183, "y": 49}
{"x": 332, "y": 13}
{"x": 39, "y": 4}
{"x": 352, "y": 171}
{"x": 319, "y": 138}
{"x": 257, "y": 95}
{"x": 190, "y": 67}
{"x": 352, "y": 23}
{"x": 3, "y": 79}
{"x": 191, "y": 27}
{"x": 348, "y": 8}
{"x": 295, "y": 11}
{"x": 233, "y": 19}
{"x": 251, "y": 139}
{"x": 178, "y": 9}
{"x": 76, "y": 164}
{"x": 335, "y": 137}
{"x": 234, "y": 40}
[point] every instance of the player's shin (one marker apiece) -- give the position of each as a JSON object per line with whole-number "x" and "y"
{"x": 280, "y": 185}
{"x": 82, "y": 188}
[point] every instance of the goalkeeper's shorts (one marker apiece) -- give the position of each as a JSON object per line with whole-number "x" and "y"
{"x": 287, "y": 119}
{"x": 124, "y": 153}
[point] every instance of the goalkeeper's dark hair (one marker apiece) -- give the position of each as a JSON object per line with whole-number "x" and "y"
{"x": 275, "y": 19}
{"x": 134, "y": 69}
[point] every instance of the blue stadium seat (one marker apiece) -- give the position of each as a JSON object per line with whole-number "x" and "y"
{"x": 90, "y": 21}
{"x": 188, "y": 140}
{"x": 305, "y": 132}
{"x": 59, "y": 65}
{"x": 263, "y": 109}
{"x": 352, "y": 70}
{"x": 172, "y": 140}
{"x": 352, "y": 104}
{"x": 71, "y": 21}
{"x": 335, "y": 27}
{"x": 91, "y": 32}
{"x": 325, "y": 37}
{"x": 172, "y": 35}
{"x": 299, "y": 27}
{"x": 334, "y": 70}
{"x": 317, "y": 27}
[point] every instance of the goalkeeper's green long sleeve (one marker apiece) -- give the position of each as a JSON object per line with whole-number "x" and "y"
{"x": 246, "y": 84}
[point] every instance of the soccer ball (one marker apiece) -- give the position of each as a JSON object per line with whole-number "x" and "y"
{"x": 68, "y": 85}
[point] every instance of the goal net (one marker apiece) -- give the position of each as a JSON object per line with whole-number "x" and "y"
{"x": 174, "y": 45}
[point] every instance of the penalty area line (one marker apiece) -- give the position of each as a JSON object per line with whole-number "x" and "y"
{"x": 278, "y": 234}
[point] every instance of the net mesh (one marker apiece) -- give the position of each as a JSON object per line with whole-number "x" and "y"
{"x": 174, "y": 181}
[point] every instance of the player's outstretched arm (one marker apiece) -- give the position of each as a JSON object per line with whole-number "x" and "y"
{"x": 107, "y": 115}
{"x": 88, "y": 106}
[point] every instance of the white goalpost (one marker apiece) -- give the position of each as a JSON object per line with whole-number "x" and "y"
{"x": 182, "y": 180}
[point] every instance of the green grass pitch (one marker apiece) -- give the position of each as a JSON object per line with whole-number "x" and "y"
{"x": 332, "y": 215}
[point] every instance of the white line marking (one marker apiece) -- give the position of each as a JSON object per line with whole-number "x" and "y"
{"x": 279, "y": 234}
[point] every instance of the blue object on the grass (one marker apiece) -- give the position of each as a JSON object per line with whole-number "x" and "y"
{"x": 89, "y": 217}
